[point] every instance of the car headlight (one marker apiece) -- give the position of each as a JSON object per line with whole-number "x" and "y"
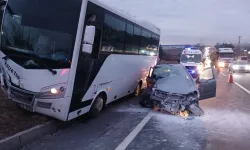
{"x": 235, "y": 67}
{"x": 221, "y": 64}
{"x": 200, "y": 67}
{"x": 248, "y": 67}
{"x": 53, "y": 92}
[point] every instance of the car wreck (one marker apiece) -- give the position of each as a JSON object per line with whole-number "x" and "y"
{"x": 171, "y": 88}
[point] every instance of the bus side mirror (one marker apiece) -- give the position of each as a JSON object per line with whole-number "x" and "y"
{"x": 88, "y": 40}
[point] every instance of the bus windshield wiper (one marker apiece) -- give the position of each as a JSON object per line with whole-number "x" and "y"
{"x": 54, "y": 72}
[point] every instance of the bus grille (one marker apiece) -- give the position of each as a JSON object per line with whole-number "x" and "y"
{"x": 21, "y": 96}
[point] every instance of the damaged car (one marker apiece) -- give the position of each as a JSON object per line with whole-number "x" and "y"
{"x": 171, "y": 88}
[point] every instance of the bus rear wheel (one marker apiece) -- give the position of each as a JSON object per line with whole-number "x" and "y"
{"x": 96, "y": 107}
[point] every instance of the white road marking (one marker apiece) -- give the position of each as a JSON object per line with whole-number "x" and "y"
{"x": 240, "y": 86}
{"x": 246, "y": 90}
{"x": 223, "y": 74}
{"x": 124, "y": 144}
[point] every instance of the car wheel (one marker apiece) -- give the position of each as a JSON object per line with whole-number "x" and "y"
{"x": 96, "y": 107}
{"x": 143, "y": 100}
{"x": 137, "y": 90}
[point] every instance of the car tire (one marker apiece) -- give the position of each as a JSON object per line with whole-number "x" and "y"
{"x": 144, "y": 99}
{"x": 96, "y": 107}
{"x": 137, "y": 90}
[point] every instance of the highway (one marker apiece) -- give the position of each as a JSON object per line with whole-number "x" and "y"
{"x": 241, "y": 78}
{"x": 125, "y": 125}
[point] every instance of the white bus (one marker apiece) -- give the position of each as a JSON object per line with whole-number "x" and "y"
{"x": 65, "y": 58}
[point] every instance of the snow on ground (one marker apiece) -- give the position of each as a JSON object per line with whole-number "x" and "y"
{"x": 216, "y": 125}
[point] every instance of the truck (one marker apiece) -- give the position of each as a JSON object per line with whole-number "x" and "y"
{"x": 226, "y": 57}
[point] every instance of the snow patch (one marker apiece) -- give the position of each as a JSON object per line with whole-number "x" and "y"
{"x": 215, "y": 124}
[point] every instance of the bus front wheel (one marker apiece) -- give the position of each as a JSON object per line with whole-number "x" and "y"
{"x": 96, "y": 107}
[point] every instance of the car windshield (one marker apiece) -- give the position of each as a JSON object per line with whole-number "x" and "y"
{"x": 226, "y": 55}
{"x": 185, "y": 58}
{"x": 164, "y": 71}
{"x": 41, "y": 28}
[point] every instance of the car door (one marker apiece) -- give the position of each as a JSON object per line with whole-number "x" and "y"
{"x": 207, "y": 84}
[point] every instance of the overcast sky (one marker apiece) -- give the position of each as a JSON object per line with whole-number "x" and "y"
{"x": 192, "y": 21}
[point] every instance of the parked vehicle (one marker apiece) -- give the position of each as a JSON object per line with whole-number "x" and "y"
{"x": 171, "y": 87}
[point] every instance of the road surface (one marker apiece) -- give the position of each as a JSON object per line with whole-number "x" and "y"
{"x": 241, "y": 78}
{"x": 125, "y": 125}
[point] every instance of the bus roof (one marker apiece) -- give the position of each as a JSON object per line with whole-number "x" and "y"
{"x": 144, "y": 24}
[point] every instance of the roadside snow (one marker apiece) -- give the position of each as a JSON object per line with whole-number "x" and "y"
{"x": 227, "y": 126}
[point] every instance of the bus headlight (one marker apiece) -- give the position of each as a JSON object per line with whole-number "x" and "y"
{"x": 53, "y": 92}
{"x": 221, "y": 64}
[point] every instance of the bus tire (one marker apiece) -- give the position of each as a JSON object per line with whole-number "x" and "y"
{"x": 96, "y": 107}
{"x": 137, "y": 90}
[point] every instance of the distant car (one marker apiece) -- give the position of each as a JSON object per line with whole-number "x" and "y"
{"x": 239, "y": 66}
{"x": 244, "y": 58}
{"x": 171, "y": 87}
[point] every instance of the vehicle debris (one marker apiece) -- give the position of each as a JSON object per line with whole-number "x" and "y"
{"x": 170, "y": 88}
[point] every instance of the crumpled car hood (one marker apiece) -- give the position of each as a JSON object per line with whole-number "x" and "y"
{"x": 176, "y": 84}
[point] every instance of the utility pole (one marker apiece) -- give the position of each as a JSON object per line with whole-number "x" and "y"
{"x": 239, "y": 45}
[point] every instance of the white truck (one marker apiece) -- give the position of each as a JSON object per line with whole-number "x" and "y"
{"x": 192, "y": 60}
{"x": 226, "y": 57}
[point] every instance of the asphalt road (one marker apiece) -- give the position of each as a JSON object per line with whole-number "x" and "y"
{"x": 125, "y": 125}
{"x": 241, "y": 78}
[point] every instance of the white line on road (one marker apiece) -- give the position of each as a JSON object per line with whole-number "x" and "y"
{"x": 223, "y": 74}
{"x": 124, "y": 144}
{"x": 242, "y": 87}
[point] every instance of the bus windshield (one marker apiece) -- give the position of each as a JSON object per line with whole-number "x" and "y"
{"x": 185, "y": 58}
{"x": 42, "y": 28}
{"x": 226, "y": 55}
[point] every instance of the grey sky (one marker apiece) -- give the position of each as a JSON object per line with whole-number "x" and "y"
{"x": 190, "y": 21}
